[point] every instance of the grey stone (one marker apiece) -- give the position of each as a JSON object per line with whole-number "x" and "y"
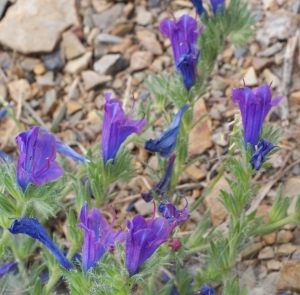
{"x": 50, "y": 102}
{"x": 105, "y": 64}
{"x": 240, "y": 52}
{"x": 3, "y": 4}
{"x": 110, "y": 39}
{"x": 92, "y": 79}
{"x": 72, "y": 46}
{"x": 270, "y": 50}
{"x": 76, "y": 65}
{"x": 53, "y": 60}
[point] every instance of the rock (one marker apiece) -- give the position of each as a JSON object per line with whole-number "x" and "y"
{"x": 280, "y": 25}
{"x": 270, "y": 238}
{"x": 219, "y": 138}
{"x": 122, "y": 29}
{"x": 269, "y": 284}
{"x": 289, "y": 277}
{"x": 227, "y": 55}
{"x": 73, "y": 106}
{"x": 3, "y": 4}
{"x": 72, "y": 46}
{"x": 266, "y": 253}
{"x": 39, "y": 69}
{"x": 271, "y": 78}
{"x": 3, "y": 91}
{"x": 45, "y": 80}
{"x": 143, "y": 208}
{"x": 219, "y": 83}
{"x": 141, "y": 60}
{"x": 29, "y": 63}
{"x": 251, "y": 250}
{"x": 50, "y": 102}
{"x": 19, "y": 88}
{"x": 247, "y": 277}
{"x": 295, "y": 98}
{"x": 53, "y": 60}
{"x": 154, "y": 3}
{"x": 286, "y": 249}
{"x": 110, "y": 39}
{"x": 195, "y": 173}
{"x": 106, "y": 19}
{"x": 122, "y": 47}
{"x": 270, "y": 50}
{"x": 35, "y": 25}
{"x": 240, "y": 52}
{"x": 93, "y": 117}
{"x": 268, "y": 4}
{"x": 273, "y": 264}
{"x": 284, "y": 236}
{"x": 76, "y": 65}
{"x": 250, "y": 77}
{"x": 260, "y": 63}
{"x": 144, "y": 17}
{"x": 5, "y": 60}
{"x": 202, "y": 129}
{"x": 211, "y": 202}
{"x": 105, "y": 65}
{"x": 148, "y": 40}
{"x": 291, "y": 187}
{"x": 92, "y": 79}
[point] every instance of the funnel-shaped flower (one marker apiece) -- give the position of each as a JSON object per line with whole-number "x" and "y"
{"x": 174, "y": 216}
{"x": 263, "y": 148}
{"x": 162, "y": 187}
{"x": 117, "y": 127}
{"x": 199, "y": 6}
{"x": 7, "y": 267}
{"x": 32, "y": 228}
{"x": 254, "y": 104}
{"x": 98, "y": 236}
{"x": 143, "y": 239}
{"x": 217, "y": 4}
{"x": 206, "y": 290}
{"x": 36, "y": 162}
{"x": 165, "y": 143}
{"x": 64, "y": 149}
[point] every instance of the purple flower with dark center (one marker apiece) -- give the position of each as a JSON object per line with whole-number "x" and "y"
{"x": 163, "y": 186}
{"x": 143, "y": 239}
{"x": 99, "y": 236}
{"x": 117, "y": 127}
{"x": 263, "y": 148}
{"x": 254, "y": 104}
{"x": 36, "y": 162}
{"x": 183, "y": 35}
{"x": 217, "y": 4}
{"x": 206, "y": 290}
{"x": 7, "y": 267}
{"x": 199, "y": 7}
{"x": 174, "y": 216}
{"x": 165, "y": 143}
{"x": 32, "y": 228}
{"x": 64, "y": 149}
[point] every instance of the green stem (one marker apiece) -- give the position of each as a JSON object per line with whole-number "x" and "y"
{"x": 21, "y": 267}
{"x": 4, "y": 239}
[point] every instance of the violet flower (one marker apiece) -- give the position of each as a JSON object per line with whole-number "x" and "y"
{"x": 199, "y": 7}
{"x": 165, "y": 143}
{"x": 36, "y": 162}
{"x": 254, "y": 104}
{"x": 7, "y": 267}
{"x": 64, "y": 149}
{"x": 174, "y": 216}
{"x": 183, "y": 35}
{"x": 263, "y": 148}
{"x": 206, "y": 290}
{"x": 143, "y": 239}
{"x": 117, "y": 127}
{"x": 163, "y": 186}
{"x": 32, "y": 228}
{"x": 217, "y": 4}
{"x": 98, "y": 236}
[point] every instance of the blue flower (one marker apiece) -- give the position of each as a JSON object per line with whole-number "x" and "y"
{"x": 206, "y": 290}
{"x": 254, "y": 105}
{"x": 163, "y": 186}
{"x": 7, "y": 267}
{"x": 217, "y": 4}
{"x": 199, "y": 7}
{"x": 263, "y": 148}
{"x": 166, "y": 142}
{"x": 32, "y": 228}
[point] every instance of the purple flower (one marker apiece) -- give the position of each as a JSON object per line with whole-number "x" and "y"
{"x": 263, "y": 148}
{"x": 7, "y": 267}
{"x": 254, "y": 104}
{"x": 36, "y": 162}
{"x": 165, "y": 143}
{"x": 199, "y": 7}
{"x": 143, "y": 239}
{"x": 117, "y": 127}
{"x": 174, "y": 216}
{"x": 206, "y": 290}
{"x": 217, "y": 4}
{"x": 163, "y": 186}
{"x": 32, "y": 228}
{"x": 98, "y": 236}
{"x": 183, "y": 35}
{"x": 64, "y": 149}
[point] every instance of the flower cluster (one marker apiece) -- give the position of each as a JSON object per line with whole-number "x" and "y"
{"x": 217, "y": 5}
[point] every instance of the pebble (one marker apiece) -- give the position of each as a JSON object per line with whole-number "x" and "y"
{"x": 19, "y": 88}
{"x": 289, "y": 277}
{"x": 259, "y": 63}
{"x": 91, "y": 79}
{"x": 144, "y": 17}
{"x": 110, "y": 39}
{"x": 143, "y": 208}
{"x": 46, "y": 79}
{"x": 251, "y": 250}
{"x": 47, "y": 19}
{"x": 50, "y": 102}
{"x": 72, "y": 46}
{"x": 284, "y": 236}
{"x": 266, "y": 253}
{"x": 227, "y": 55}
{"x": 219, "y": 138}
{"x": 273, "y": 264}
{"x": 141, "y": 60}
{"x": 194, "y": 173}
{"x": 3, "y": 4}
{"x": 286, "y": 249}
{"x": 39, "y": 69}
{"x": 73, "y": 106}
{"x": 53, "y": 60}
{"x": 270, "y": 50}
{"x": 270, "y": 238}
{"x": 81, "y": 63}
{"x": 122, "y": 29}
{"x": 120, "y": 48}
{"x": 271, "y": 78}
{"x": 250, "y": 77}
{"x": 149, "y": 41}
{"x": 295, "y": 98}
{"x": 3, "y": 91}
{"x": 240, "y": 52}
{"x": 106, "y": 64}
{"x": 219, "y": 83}
{"x": 93, "y": 117}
